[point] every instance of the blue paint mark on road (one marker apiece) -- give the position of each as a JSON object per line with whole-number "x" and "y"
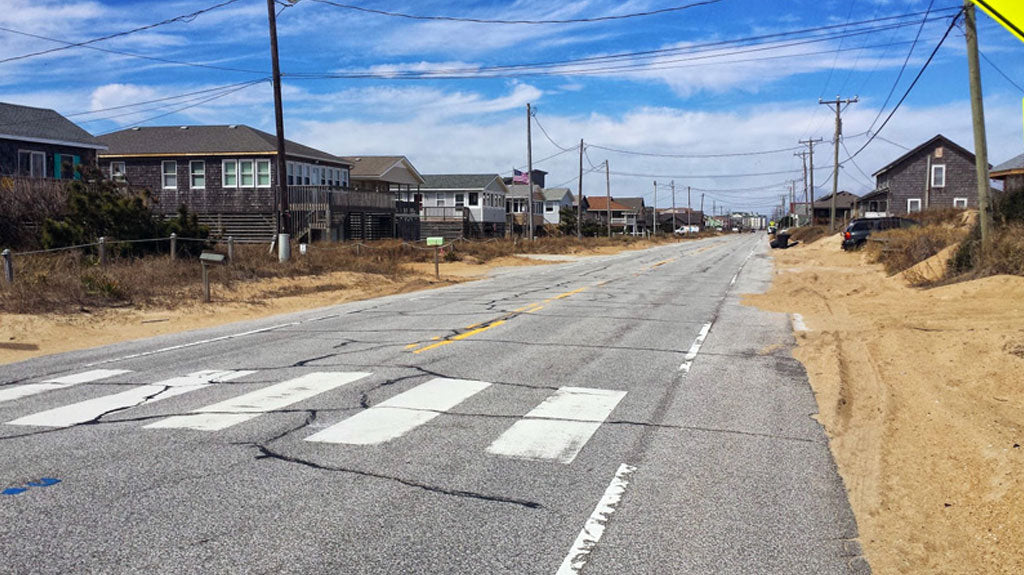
{"x": 41, "y": 482}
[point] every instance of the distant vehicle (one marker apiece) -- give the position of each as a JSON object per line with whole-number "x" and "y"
{"x": 857, "y": 232}
{"x": 771, "y": 230}
{"x": 735, "y": 230}
{"x": 687, "y": 230}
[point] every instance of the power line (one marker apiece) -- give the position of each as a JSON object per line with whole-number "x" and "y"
{"x": 531, "y": 22}
{"x": 1001, "y": 73}
{"x": 546, "y": 135}
{"x": 920, "y": 72}
{"x": 902, "y": 68}
{"x": 131, "y": 54}
{"x": 693, "y": 156}
{"x": 199, "y": 103}
{"x": 183, "y": 18}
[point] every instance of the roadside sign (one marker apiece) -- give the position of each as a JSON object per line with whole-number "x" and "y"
{"x": 1009, "y": 13}
{"x": 435, "y": 241}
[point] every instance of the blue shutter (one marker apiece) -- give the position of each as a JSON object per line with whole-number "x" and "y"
{"x": 56, "y": 166}
{"x": 76, "y": 160}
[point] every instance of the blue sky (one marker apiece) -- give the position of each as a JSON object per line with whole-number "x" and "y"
{"x": 731, "y": 77}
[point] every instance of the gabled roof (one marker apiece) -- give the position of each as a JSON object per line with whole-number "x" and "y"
{"x": 555, "y": 194}
{"x": 458, "y": 181}
{"x": 844, "y": 199}
{"x": 519, "y": 191}
{"x": 1012, "y": 166}
{"x": 204, "y": 140}
{"x": 44, "y": 126}
{"x": 599, "y": 203}
{"x": 872, "y": 195}
{"x": 377, "y": 167}
{"x": 938, "y": 138}
{"x": 635, "y": 204}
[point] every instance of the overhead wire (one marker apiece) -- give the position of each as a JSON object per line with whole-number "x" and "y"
{"x": 435, "y": 18}
{"x": 899, "y": 76}
{"x": 182, "y": 18}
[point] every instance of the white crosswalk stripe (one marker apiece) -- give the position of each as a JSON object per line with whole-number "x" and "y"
{"x": 560, "y": 426}
{"x": 251, "y": 405}
{"x": 401, "y": 414}
{"x": 90, "y": 409}
{"x": 19, "y": 391}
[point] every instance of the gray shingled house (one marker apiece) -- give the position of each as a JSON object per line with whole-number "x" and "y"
{"x": 393, "y": 175}
{"x": 40, "y": 144}
{"x": 1011, "y": 173}
{"x": 936, "y": 174}
{"x": 228, "y": 176}
{"x": 459, "y": 205}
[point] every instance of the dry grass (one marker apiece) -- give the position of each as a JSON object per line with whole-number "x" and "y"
{"x": 808, "y": 234}
{"x": 1006, "y": 255}
{"x": 72, "y": 281}
{"x": 902, "y": 249}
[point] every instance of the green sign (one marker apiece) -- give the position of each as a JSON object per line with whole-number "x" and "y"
{"x": 435, "y": 241}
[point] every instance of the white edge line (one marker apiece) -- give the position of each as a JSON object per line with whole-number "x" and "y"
{"x": 695, "y": 348}
{"x": 593, "y": 529}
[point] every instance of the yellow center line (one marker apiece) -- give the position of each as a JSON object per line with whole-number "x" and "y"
{"x": 412, "y": 345}
{"x": 461, "y": 336}
{"x": 569, "y": 293}
{"x": 538, "y": 308}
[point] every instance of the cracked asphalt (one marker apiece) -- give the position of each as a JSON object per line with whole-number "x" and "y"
{"x": 732, "y": 473}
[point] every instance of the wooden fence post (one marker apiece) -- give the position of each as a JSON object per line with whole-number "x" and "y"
{"x": 8, "y": 266}
{"x": 103, "y": 250}
{"x": 174, "y": 246}
{"x": 231, "y": 249}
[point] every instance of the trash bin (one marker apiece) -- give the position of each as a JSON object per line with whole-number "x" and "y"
{"x": 781, "y": 240}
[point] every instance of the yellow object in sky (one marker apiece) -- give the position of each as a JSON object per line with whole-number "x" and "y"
{"x": 1009, "y": 13}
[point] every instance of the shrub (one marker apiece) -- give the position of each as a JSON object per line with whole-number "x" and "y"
{"x": 902, "y": 249}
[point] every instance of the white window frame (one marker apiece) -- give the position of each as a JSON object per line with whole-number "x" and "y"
{"x": 193, "y": 174}
{"x": 118, "y": 175}
{"x": 224, "y": 175}
{"x": 32, "y": 155}
{"x": 460, "y": 200}
{"x": 290, "y": 168}
{"x": 911, "y": 201}
{"x": 960, "y": 203}
{"x": 939, "y": 168}
{"x": 266, "y": 164}
{"x": 305, "y": 174}
{"x": 164, "y": 174}
{"x": 241, "y": 173}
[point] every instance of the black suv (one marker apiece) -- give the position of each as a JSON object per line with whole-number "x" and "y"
{"x": 859, "y": 229}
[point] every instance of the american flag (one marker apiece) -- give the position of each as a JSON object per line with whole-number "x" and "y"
{"x": 520, "y": 177}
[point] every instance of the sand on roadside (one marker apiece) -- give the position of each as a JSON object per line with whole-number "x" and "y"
{"x": 921, "y": 393}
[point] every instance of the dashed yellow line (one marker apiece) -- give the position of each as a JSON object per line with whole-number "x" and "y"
{"x": 569, "y": 293}
{"x": 461, "y": 336}
{"x": 531, "y": 310}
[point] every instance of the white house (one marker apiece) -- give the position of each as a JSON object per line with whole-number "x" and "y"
{"x": 554, "y": 200}
{"x": 478, "y": 200}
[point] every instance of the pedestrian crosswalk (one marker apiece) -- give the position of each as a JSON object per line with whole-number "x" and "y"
{"x": 555, "y": 430}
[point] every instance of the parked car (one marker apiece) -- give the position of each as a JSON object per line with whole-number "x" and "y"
{"x": 857, "y": 232}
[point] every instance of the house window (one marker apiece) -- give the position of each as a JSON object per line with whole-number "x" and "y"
{"x": 913, "y": 205}
{"x": 197, "y": 174}
{"x": 262, "y": 173}
{"x": 229, "y": 173}
{"x": 316, "y": 175}
{"x": 246, "y": 177}
{"x": 291, "y": 173}
{"x": 938, "y": 176}
{"x": 64, "y": 166}
{"x": 31, "y": 164}
{"x": 330, "y": 177}
{"x": 323, "y": 176}
{"x": 305, "y": 174}
{"x": 344, "y": 178}
{"x": 548, "y": 207}
{"x": 960, "y": 203}
{"x": 460, "y": 200}
{"x": 169, "y": 174}
{"x": 474, "y": 198}
{"x": 117, "y": 171}
{"x": 440, "y": 202}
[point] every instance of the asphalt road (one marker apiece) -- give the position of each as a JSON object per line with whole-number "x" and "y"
{"x": 620, "y": 414}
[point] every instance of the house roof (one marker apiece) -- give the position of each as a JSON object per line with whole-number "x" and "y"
{"x": 872, "y": 195}
{"x": 519, "y": 191}
{"x": 1012, "y": 166}
{"x": 555, "y": 194}
{"x": 599, "y": 203}
{"x": 636, "y": 204}
{"x": 377, "y": 167}
{"x": 458, "y": 181}
{"x": 938, "y": 138}
{"x": 42, "y": 125}
{"x": 843, "y": 200}
{"x": 204, "y": 140}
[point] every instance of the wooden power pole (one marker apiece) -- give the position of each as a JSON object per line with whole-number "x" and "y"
{"x": 838, "y": 105}
{"x": 579, "y": 198}
{"x": 674, "y": 206}
{"x": 284, "y": 215}
{"x": 608, "y": 196}
{"x": 529, "y": 168}
{"x": 978, "y": 115}
{"x": 810, "y": 171}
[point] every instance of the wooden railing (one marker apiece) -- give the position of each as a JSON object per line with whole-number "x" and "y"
{"x": 444, "y": 213}
{"x": 322, "y": 198}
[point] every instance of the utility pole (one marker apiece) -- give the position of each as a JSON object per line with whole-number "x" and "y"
{"x": 978, "y": 116}
{"x": 803, "y": 156}
{"x": 284, "y": 215}
{"x": 655, "y": 207}
{"x": 837, "y": 105}
{"x": 529, "y": 168}
{"x": 579, "y": 198}
{"x": 810, "y": 172}
{"x": 674, "y": 206}
{"x": 689, "y": 210}
{"x": 608, "y": 196}
{"x": 703, "y": 219}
